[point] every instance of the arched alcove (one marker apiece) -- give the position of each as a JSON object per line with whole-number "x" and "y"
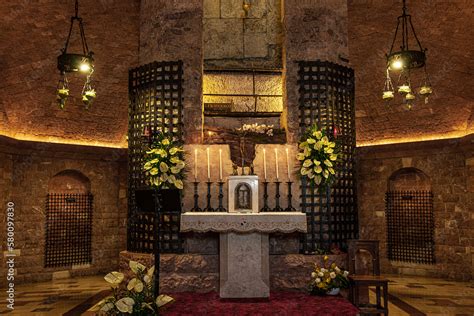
{"x": 69, "y": 181}
{"x": 68, "y": 220}
{"x": 410, "y": 218}
{"x": 409, "y": 179}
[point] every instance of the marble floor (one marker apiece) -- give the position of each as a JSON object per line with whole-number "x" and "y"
{"x": 407, "y": 296}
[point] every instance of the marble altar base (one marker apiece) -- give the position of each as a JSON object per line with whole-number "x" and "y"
{"x": 244, "y": 265}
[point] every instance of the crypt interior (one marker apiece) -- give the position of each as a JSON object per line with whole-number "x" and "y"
{"x": 267, "y": 157}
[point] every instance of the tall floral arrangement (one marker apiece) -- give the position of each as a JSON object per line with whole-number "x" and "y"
{"x": 318, "y": 156}
{"x": 328, "y": 277}
{"x": 164, "y": 164}
{"x": 134, "y": 297}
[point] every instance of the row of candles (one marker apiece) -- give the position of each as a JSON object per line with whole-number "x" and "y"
{"x": 220, "y": 164}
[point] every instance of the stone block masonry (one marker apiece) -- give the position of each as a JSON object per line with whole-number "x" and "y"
{"x": 26, "y": 169}
{"x": 314, "y": 29}
{"x": 172, "y": 30}
{"x": 234, "y": 38}
{"x": 448, "y": 164}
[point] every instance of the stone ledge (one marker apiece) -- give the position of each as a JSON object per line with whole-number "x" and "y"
{"x": 200, "y": 273}
{"x": 284, "y": 222}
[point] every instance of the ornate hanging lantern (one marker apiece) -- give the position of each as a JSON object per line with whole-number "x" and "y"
{"x": 404, "y": 60}
{"x": 76, "y": 62}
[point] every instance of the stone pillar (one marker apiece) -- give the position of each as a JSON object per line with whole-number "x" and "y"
{"x": 314, "y": 29}
{"x": 172, "y": 30}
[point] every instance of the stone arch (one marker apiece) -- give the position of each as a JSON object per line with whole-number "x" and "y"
{"x": 69, "y": 210}
{"x": 410, "y": 217}
{"x": 409, "y": 179}
{"x": 69, "y": 181}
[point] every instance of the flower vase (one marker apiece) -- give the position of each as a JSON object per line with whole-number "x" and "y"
{"x": 333, "y": 291}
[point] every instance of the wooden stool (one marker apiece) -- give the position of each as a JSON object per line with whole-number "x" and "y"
{"x": 381, "y": 293}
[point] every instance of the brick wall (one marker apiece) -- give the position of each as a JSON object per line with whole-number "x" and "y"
{"x": 450, "y": 168}
{"x": 26, "y": 170}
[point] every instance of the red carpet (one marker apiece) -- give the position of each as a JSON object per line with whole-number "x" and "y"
{"x": 280, "y": 304}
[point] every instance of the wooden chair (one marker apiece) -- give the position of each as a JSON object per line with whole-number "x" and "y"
{"x": 364, "y": 281}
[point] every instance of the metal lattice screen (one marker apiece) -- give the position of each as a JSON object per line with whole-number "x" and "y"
{"x": 68, "y": 229}
{"x": 410, "y": 226}
{"x": 156, "y": 105}
{"x": 327, "y": 98}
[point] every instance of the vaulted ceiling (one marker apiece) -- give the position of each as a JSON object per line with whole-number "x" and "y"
{"x": 445, "y": 28}
{"x": 32, "y": 32}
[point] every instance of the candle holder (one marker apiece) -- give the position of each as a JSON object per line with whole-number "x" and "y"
{"x": 290, "y": 207}
{"x": 196, "y": 198}
{"x": 221, "y": 208}
{"x": 277, "y": 197}
{"x": 265, "y": 207}
{"x": 208, "y": 206}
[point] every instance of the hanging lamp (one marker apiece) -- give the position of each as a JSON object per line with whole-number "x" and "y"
{"x": 82, "y": 62}
{"x": 405, "y": 59}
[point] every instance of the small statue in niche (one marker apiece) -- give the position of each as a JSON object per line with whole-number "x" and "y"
{"x": 243, "y": 196}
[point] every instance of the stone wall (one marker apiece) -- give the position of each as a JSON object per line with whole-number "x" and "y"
{"x": 26, "y": 170}
{"x": 236, "y": 38}
{"x": 449, "y": 164}
{"x": 172, "y": 30}
{"x": 33, "y": 32}
{"x": 200, "y": 273}
{"x": 314, "y": 29}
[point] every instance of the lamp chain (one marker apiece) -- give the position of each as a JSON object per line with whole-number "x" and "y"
{"x": 77, "y": 9}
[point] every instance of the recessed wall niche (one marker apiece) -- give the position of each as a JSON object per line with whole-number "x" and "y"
{"x": 410, "y": 218}
{"x": 68, "y": 220}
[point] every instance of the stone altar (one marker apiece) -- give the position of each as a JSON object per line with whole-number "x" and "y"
{"x": 244, "y": 250}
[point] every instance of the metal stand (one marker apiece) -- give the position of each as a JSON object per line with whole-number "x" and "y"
{"x": 265, "y": 207}
{"x": 156, "y": 245}
{"x": 290, "y": 207}
{"x": 208, "y": 206}
{"x": 221, "y": 208}
{"x": 196, "y": 198}
{"x": 277, "y": 197}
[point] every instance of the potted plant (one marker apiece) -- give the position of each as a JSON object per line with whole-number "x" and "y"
{"x": 328, "y": 279}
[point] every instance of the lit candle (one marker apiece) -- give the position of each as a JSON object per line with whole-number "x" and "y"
{"x": 276, "y": 162}
{"x": 195, "y": 165}
{"x": 265, "y": 163}
{"x": 288, "y": 164}
{"x": 208, "y": 166}
{"x": 220, "y": 164}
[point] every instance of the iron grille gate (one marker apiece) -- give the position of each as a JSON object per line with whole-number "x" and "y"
{"x": 327, "y": 98}
{"x": 410, "y": 226}
{"x": 156, "y": 105}
{"x": 68, "y": 229}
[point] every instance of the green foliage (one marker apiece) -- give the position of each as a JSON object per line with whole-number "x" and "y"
{"x": 318, "y": 156}
{"x": 164, "y": 164}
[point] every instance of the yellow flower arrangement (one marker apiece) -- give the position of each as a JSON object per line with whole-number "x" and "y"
{"x": 164, "y": 164}
{"x": 318, "y": 156}
{"x": 136, "y": 297}
{"x": 327, "y": 277}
